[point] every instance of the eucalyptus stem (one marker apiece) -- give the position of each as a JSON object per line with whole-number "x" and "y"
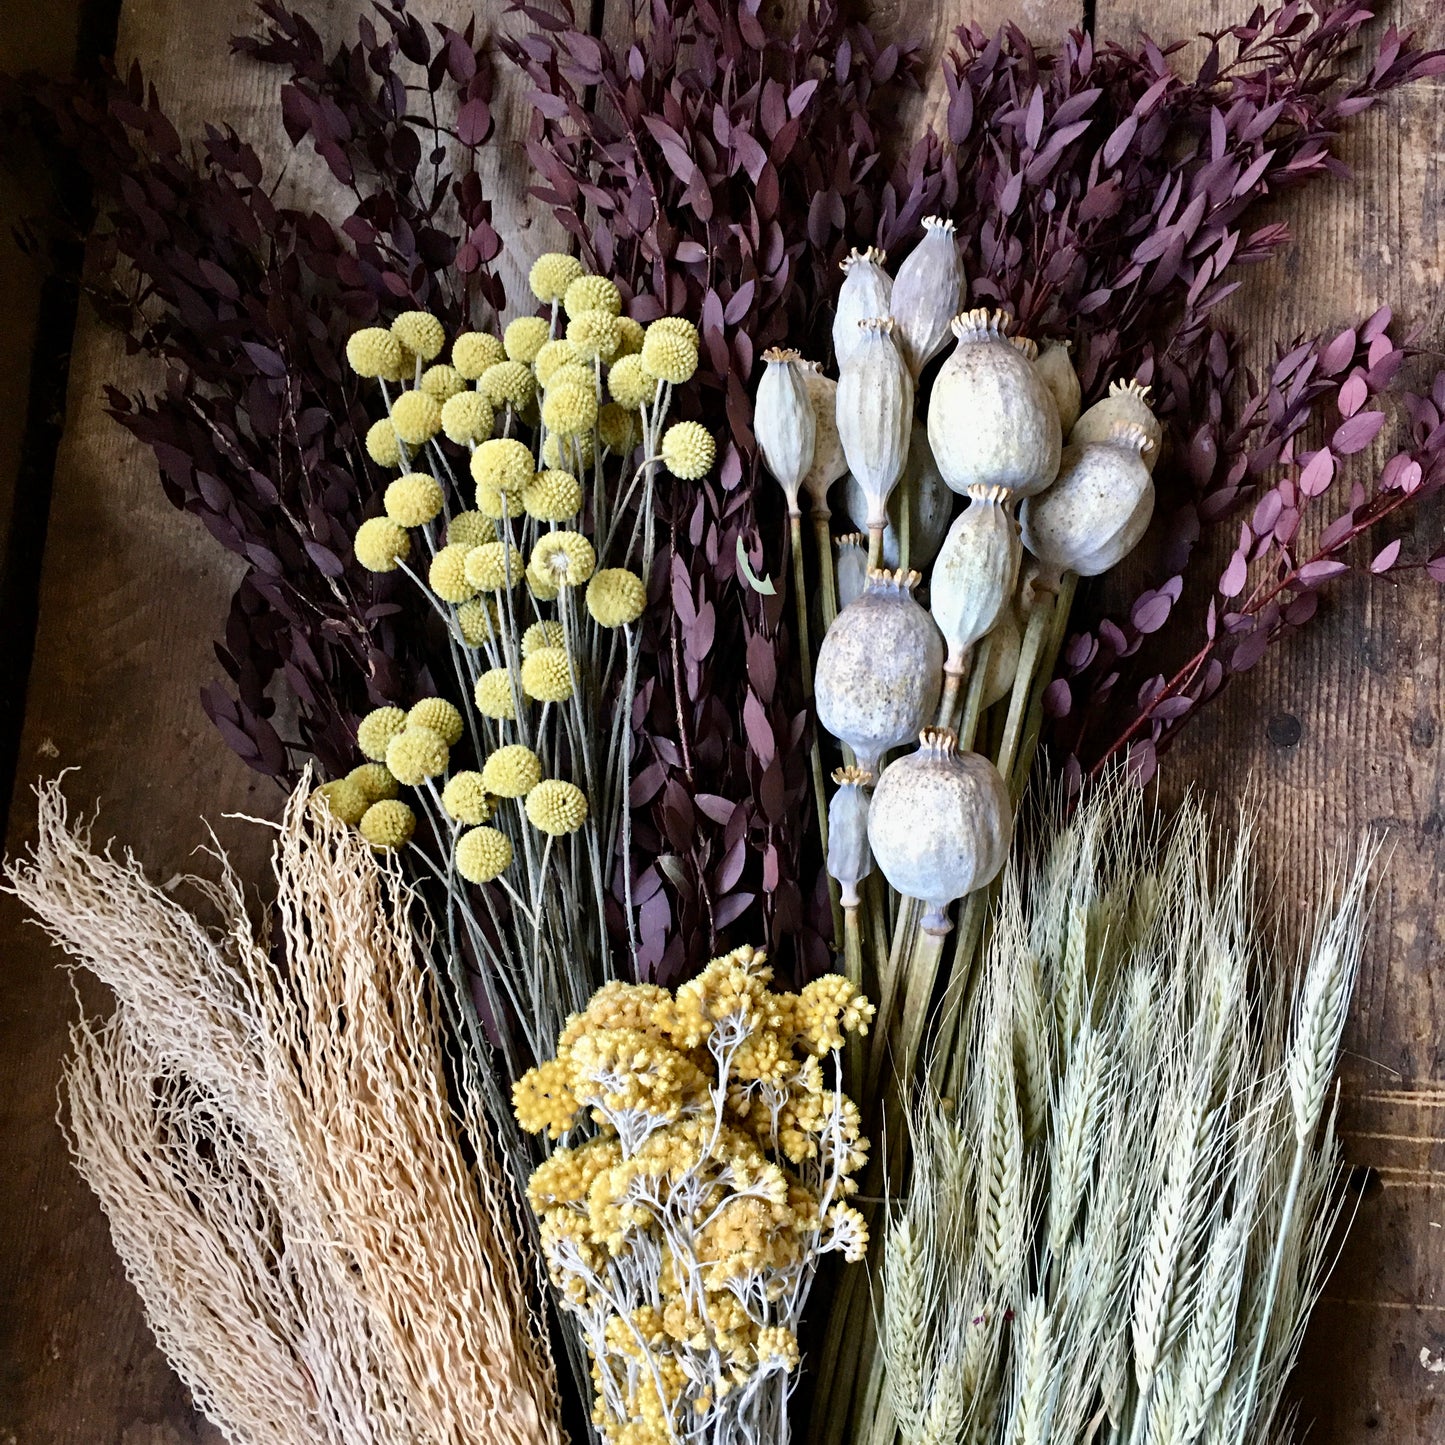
{"x": 815, "y": 752}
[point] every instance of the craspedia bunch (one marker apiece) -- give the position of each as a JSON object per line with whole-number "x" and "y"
{"x": 592, "y": 293}
{"x": 416, "y": 417}
{"x": 421, "y": 333}
{"x": 632, "y": 385}
{"x": 512, "y": 771}
{"x": 474, "y": 351}
{"x": 381, "y": 545}
{"x": 416, "y": 754}
{"x": 552, "y": 496}
{"x": 556, "y": 808}
{"x": 552, "y": 274}
{"x": 374, "y": 352}
{"x": 566, "y": 558}
{"x": 616, "y": 597}
{"x": 547, "y": 675}
{"x": 688, "y": 450}
{"x": 483, "y": 854}
{"x": 376, "y": 730}
{"x": 388, "y": 824}
{"x": 465, "y": 798}
{"x": 343, "y": 799}
{"x": 447, "y": 575}
{"x": 525, "y": 337}
{"x": 668, "y": 356}
{"x": 413, "y": 500}
{"x": 467, "y": 418}
{"x": 440, "y": 716}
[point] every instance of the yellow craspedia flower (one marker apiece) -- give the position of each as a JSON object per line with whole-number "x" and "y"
{"x": 547, "y": 675}
{"x": 381, "y": 443}
{"x": 552, "y": 496}
{"x": 421, "y": 333}
{"x": 565, "y": 558}
{"x": 512, "y": 771}
{"x": 373, "y": 352}
{"x": 556, "y": 807}
{"x": 493, "y": 503}
{"x": 569, "y": 408}
{"x": 375, "y": 781}
{"x": 525, "y": 337}
{"x": 381, "y": 544}
{"x": 542, "y": 588}
{"x": 688, "y": 450}
{"x": 630, "y": 334}
{"x": 632, "y": 385}
{"x": 574, "y": 373}
{"x": 413, "y": 500}
{"x": 508, "y": 383}
{"x": 447, "y": 575}
{"x": 493, "y": 566}
{"x": 592, "y": 293}
{"x": 568, "y": 454}
{"x": 417, "y": 417}
{"x": 493, "y": 696}
{"x": 595, "y": 334}
{"x": 343, "y": 800}
{"x": 470, "y": 529}
{"x": 668, "y": 356}
{"x": 618, "y": 428}
{"x": 482, "y": 854}
{"x": 541, "y": 634}
{"x": 502, "y": 462}
{"x": 550, "y": 356}
{"x": 416, "y": 754}
{"x": 551, "y": 275}
{"x": 442, "y": 382}
{"x": 376, "y": 730}
{"x": 678, "y": 326}
{"x": 474, "y": 351}
{"x": 388, "y": 824}
{"x": 465, "y": 799}
{"x": 616, "y": 597}
{"x": 440, "y": 716}
{"x": 477, "y": 621}
{"x": 467, "y": 417}
{"x": 405, "y": 368}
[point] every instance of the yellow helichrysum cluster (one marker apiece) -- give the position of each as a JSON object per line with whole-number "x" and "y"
{"x": 684, "y": 1235}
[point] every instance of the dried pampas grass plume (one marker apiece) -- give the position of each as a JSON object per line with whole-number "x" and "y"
{"x": 269, "y": 1132}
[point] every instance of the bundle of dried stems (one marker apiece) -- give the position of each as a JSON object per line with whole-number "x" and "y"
{"x": 1117, "y": 1228}
{"x": 320, "y": 1240}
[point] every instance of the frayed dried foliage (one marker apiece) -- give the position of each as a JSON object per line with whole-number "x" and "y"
{"x": 322, "y": 1246}
{"x": 1138, "y": 1262}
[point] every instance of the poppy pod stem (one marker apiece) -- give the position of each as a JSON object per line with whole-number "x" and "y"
{"x": 823, "y": 535}
{"x": 805, "y": 666}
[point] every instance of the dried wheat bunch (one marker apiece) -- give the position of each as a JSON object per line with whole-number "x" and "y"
{"x": 318, "y": 1240}
{"x": 1117, "y": 1231}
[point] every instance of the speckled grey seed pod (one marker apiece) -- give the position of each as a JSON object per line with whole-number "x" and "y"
{"x": 1056, "y": 367}
{"x": 829, "y": 463}
{"x": 852, "y": 567}
{"x": 875, "y": 415}
{"x": 1095, "y": 514}
{"x": 850, "y": 860}
{"x": 879, "y": 669}
{"x": 1005, "y": 643}
{"x": 1127, "y": 401}
{"x": 783, "y": 421}
{"x": 976, "y": 572}
{"x": 927, "y": 294}
{"x": 930, "y": 506}
{"x": 867, "y": 290}
{"x": 940, "y": 824}
{"x": 992, "y": 421}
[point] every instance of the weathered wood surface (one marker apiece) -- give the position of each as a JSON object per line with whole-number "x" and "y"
{"x": 133, "y": 594}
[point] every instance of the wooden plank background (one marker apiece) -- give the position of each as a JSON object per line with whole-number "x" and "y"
{"x": 1339, "y": 732}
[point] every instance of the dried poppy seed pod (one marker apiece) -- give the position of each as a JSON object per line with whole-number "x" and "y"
{"x": 1056, "y": 367}
{"x": 976, "y": 572}
{"x": 879, "y": 669}
{"x": 927, "y": 293}
{"x": 783, "y": 421}
{"x": 1005, "y": 643}
{"x": 849, "y": 858}
{"x": 992, "y": 422}
{"x": 867, "y": 291}
{"x": 930, "y": 506}
{"x": 875, "y": 416}
{"x": 852, "y": 567}
{"x": 1095, "y": 514}
{"x": 1127, "y": 401}
{"x": 828, "y": 463}
{"x": 940, "y": 824}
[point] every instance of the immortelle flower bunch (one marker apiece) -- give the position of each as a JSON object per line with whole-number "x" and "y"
{"x": 684, "y": 1233}
{"x": 523, "y": 513}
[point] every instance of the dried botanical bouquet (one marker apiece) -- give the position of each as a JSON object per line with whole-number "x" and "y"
{"x": 591, "y": 704}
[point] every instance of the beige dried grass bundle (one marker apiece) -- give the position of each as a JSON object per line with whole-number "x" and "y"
{"x": 318, "y": 1239}
{"x": 1117, "y": 1227}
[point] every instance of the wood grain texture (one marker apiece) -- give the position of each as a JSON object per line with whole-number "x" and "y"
{"x": 133, "y": 592}
{"x": 1340, "y": 731}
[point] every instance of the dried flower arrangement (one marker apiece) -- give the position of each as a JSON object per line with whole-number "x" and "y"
{"x": 612, "y": 796}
